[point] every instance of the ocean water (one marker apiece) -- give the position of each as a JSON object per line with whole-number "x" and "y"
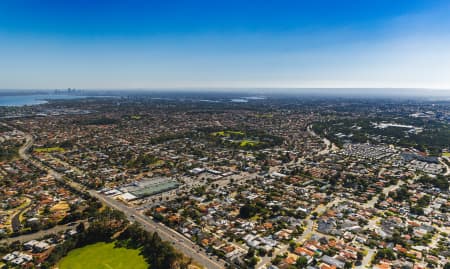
{"x": 33, "y": 99}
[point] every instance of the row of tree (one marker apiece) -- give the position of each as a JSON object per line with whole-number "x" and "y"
{"x": 105, "y": 227}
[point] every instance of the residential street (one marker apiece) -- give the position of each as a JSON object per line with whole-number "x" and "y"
{"x": 179, "y": 241}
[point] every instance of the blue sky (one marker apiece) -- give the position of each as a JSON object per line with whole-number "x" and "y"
{"x": 224, "y": 43}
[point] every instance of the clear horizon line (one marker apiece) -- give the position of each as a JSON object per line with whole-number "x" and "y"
{"x": 225, "y": 88}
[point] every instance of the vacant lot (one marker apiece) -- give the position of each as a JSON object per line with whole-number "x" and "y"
{"x": 103, "y": 256}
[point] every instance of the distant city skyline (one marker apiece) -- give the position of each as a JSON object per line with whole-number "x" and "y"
{"x": 224, "y": 44}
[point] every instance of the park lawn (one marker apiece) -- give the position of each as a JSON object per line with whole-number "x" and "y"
{"x": 157, "y": 163}
{"x": 268, "y": 115}
{"x": 227, "y": 133}
{"x": 48, "y": 150}
{"x": 446, "y": 154}
{"x": 220, "y": 133}
{"x": 250, "y": 143}
{"x": 103, "y": 256}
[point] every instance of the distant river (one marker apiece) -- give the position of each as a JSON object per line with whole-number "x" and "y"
{"x": 33, "y": 99}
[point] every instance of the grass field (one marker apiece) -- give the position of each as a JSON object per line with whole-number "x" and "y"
{"x": 48, "y": 150}
{"x": 446, "y": 154}
{"x": 227, "y": 133}
{"x": 250, "y": 143}
{"x": 103, "y": 256}
{"x": 268, "y": 116}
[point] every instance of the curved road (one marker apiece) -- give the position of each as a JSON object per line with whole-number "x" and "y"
{"x": 329, "y": 146}
{"x": 40, "y": 234}
{"x": 15, "y": 221}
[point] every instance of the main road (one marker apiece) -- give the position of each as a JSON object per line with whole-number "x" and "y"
{"x": 180, "y": 242}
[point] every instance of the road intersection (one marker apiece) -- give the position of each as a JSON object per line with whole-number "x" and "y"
{"x": 179, "y": 241}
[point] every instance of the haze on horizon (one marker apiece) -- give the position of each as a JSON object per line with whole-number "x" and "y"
{"x": 218, "y": 44}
